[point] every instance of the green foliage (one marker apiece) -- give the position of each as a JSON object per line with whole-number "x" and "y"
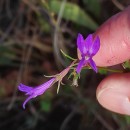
{"x": 45, "y": 26}
{"x": 123, "y": 120}
{"x": 45, "y": 103}
{"x": 126, "y": 64}
{"x": 127, "y": 118}
{"x": 102, "y": 71}
{"x": 6, "y": 56}
{"x": 93, "y": 6}
{"x": 73, "y": 13}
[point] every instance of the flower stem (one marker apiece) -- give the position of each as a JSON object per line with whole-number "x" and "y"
{"x": 111, "y": 70}
{"x": 108, "y": 69}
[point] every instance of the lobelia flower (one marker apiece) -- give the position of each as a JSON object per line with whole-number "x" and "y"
{"x": 39, "y": 90}
{"x": 88, "y": 48}
{"x": 36, "y": 91}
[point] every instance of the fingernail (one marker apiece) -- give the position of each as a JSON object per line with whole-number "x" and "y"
{"x": 114, "y": 99}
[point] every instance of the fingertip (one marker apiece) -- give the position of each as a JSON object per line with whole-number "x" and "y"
{"x": 113, "y": 93}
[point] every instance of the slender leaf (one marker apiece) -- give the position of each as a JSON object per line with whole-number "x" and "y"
{"x": 73, "y": 13}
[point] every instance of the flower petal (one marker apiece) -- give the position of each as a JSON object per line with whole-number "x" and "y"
{"x": 24, "y": 88}
{"x": 89, "y": 41}
{"x": 93, "y": 65}
{"x": 34, "y": 92}
{"x": 95, "y": 47}
{"x": 43, "y": 87}
{"x": 81, "y": 44}
{"x": 80, "y": 65}
{"x": 29, "y": 98}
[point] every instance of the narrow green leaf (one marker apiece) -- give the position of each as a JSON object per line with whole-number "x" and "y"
{"x": 73, "y": 13}
{"x": 69, "y": 57}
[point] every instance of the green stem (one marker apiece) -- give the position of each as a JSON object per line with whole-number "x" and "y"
{"x": 69, "y": 57}
{"x": 111, "y": 70}
{"x": 107, "y": 69}
{"x": 102, "y": 68}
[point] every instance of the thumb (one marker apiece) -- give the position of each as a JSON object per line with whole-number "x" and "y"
{"x": 115, "y": 40}
{"x": 114, "y": 93}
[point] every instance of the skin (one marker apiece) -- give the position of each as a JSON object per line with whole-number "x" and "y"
{"x": 113, "y": 92}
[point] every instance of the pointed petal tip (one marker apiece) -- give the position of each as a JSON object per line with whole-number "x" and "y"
{"x": 24, "y": 88}
{"x": 20, "y": 86}
{"x": 80, "y": 37}
{"x": 93, "y": 65}
{"x": 80, "y": 43}
{"x": 77, "y": 70}
{"x": 97, "y": 42}
{"x": 25, "y": 102}
{"x": 95, "y": 46}
{"x": 79, "y": 34}
{"x": 90, "y": 36}
{"x": 97, "y": 39}
{"x": 96, "y": 70}
{"x": 23, "y": 106}
{"x": 80, "y": 65}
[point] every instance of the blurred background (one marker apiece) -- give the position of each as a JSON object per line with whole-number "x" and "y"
{"x": 32, "y": 32}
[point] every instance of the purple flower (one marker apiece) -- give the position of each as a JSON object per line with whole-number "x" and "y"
{"x": 88, "y": 48}
{"x": 36, "y": 91}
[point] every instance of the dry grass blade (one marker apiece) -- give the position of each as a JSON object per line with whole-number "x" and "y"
{"x": 58, "y": 39}
{"x": 118, "y": 4}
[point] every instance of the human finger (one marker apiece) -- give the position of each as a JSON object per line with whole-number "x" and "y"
{"x": 115, "y": 40}
{"x": 113, "y": 93}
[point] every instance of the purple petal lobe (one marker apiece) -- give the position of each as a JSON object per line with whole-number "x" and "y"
{"x": 29, "y": 98}
{"x": 95, "y": 47}
{"x": 80, "y": 65}
{"x": 24, "y": 88}
{"x": 81, "y": 44}
{"x": 89, "y": 41}
{"x": 92, "y": 64}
